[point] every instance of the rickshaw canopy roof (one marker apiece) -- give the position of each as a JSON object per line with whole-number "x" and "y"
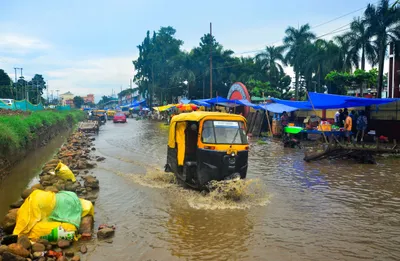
{"x": 199, "y": 115}
{"x": 177, "y": 123}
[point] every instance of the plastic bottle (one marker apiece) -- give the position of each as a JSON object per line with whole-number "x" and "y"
{"x": 59, "y": 233}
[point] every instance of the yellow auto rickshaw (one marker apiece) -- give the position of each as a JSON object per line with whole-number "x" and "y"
{"x": 205, "y": 146}
{"x": 110, "y": 114}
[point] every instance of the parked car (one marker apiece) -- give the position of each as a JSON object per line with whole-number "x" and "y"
{"x": 119, "y": 117}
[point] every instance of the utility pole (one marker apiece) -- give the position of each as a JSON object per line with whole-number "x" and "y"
{"x": 57, "y": 97}
{"x": 47, "y": 90}
{"x": 211, "y": 42}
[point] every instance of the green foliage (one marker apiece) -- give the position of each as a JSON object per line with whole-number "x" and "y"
{"x": 261, "y": 89}
{"x": 356, "y": 80}
{"x": 78, "y": 101}
{"x": 5, "y": 85}
{"x": 17, "y": 131}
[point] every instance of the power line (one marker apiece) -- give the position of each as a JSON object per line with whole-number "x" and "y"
{"x": 316, "y": 26}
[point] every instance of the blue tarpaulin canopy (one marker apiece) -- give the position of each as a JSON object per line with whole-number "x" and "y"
{"x": 201, "y": 102}
{"x": 333, "y": 101}
{"x": 137, "y": 103}
{"x": 277, "y": 108}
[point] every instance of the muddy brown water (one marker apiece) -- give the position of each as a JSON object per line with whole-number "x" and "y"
{"x": 327, "y": 210}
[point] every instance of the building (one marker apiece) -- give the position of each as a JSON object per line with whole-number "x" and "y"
{"x": 394, "y": 73}
{"x": 67, "y": 98}
{"x": 89, "y": 98}
{"x": 129, "y": 96}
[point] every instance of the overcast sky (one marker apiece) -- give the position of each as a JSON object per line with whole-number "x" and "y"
{"x": 87, "y": 46}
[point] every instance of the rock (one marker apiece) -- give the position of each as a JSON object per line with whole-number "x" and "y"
{"x": 69, "y": 253}
{"x": 86, "y": 171}
{"x": 100, "y": 158}
{"x": 42, "y": 259}
{"x": 90, "y": 165}
{"x": 82, "y": 164}
{"x": 17, "y": 204}
{"x": 46, "y": 178}
{"x": 25, "y": 242}
{"x": 76, "y": 258}
{"x": 93, "y": 148}
{"x": 43, "y": 241}
{"x": 91, "y": 182}
{"x": 62, "y": 258}
{"x": 38, "y": 254}
{"x": 86, "y": 225}
{"x": 52, "y": 189}
{"x": 105, "y": 233}
{"x": 9, "y": 221}
{"x": 3, "y": 248}
{"x": 63, "y": 243}
{"x": 53, "y": 162}
{"x": 49, "y": 247}
{"x": 7, "y": 256}
{"x": 37, "y": 186}
{"x": 72, "y": 187}
{"x": 37, "y": 247}
{"x": 18, "y": 249}
{"x": 83, "y": 249}
{"x": 109, "y": 241}
{"x": 26, "y": 193}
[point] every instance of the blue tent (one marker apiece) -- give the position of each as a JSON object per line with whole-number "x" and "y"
{"x": 217, "y": 100}
{"x": 201, "y": 102}
{"x": 333, "y": 101}
{"x": 137, "y": 103}
{"x": 277, "y": 108}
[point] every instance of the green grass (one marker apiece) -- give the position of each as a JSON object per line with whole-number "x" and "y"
{"x": 18, "y": 130}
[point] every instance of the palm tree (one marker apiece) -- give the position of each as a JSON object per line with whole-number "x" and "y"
{"x": 323, "y": 57}
{"x": 360, "y": 40}
{"x": 384, "y": 24}
{"x": 346, "y": 57}
{"x": 295, "y": 41}
{"x": 271, "y": 61}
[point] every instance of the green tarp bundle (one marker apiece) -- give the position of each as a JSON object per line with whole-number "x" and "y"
{"x": 68, "y": 208}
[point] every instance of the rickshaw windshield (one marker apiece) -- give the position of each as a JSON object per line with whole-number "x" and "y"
{"x": 224, "y": 132}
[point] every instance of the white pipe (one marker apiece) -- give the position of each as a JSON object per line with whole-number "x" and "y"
{"x": 393, "y": 71}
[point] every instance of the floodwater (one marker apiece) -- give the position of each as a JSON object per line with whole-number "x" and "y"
{"x": 291, "y": 210}
{"x": 27, "y": 171}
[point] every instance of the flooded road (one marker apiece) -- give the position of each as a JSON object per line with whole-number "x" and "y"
{"x": 293, "y": 210}
{"x": 309, "y": 211}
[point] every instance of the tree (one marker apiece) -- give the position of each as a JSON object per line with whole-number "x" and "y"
{"x": 296, "y": 40}
{"x": 271, "y": 60}
{"x": 356, "y": 80}
{"x": 36, "y": 87}
{"x": 5, "y": 85}
{"x": 384, "y": 24}
{"x": 360, "y": 39}
{"x": 78, "y": 101}
{"x": 261, "y": 89}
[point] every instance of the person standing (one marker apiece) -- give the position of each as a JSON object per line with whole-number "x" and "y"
{"x": 342, "y": 117}
{"x": 348, "y": 123}
{"x": 362, "y": 123}
{"x": 337, "y": 117}
{"x": 284, "y": 122}
{"x": 353, "y": 115}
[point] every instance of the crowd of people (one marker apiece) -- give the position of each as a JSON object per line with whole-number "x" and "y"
{"x": 355, "y": 122}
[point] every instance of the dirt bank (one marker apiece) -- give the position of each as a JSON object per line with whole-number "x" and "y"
{"x": 25, "y": 133}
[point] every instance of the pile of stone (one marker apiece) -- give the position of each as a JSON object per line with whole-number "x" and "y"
{"x": 76, "y": 154}
{"x": 41, "y": 250}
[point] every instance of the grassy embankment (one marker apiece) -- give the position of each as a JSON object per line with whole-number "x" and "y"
{"x": 17, "y": 131}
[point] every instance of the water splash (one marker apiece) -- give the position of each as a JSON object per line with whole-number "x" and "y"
{"x": 240, "y": 194}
